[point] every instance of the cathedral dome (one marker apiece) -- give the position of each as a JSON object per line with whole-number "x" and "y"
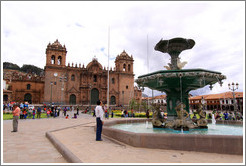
{"x": 94, "y": 63}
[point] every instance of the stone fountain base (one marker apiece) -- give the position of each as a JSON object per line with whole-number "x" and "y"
{"x": 222, "y": 144}
{"x": 181, "y": 122}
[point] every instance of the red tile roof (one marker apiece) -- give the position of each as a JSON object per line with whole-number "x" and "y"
{"x": 218, "y": 96}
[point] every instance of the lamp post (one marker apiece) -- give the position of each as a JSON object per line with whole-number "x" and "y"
{"x": 90, "y": 96}
{"x": 56, "y": 100}
{"x": 62, "y": 80}
{"x": 203, "y": 102}
{"x": 123, "y": 98}
{"x": 142, "y": 90}
{"x": 51, "y": 84}
{"x": 233, "y": 87}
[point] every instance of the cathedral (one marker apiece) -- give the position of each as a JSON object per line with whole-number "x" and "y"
{"x": 76, "y": 84}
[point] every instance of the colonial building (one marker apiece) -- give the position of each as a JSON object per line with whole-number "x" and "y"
{"x": 160, "y": 100}
{"x": 19, "y": 87}
{"x": 76, "y": 84}
{"x": 221, "y": 101}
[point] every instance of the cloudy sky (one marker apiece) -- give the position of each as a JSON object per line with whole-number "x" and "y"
{"x": 218, "y": 29}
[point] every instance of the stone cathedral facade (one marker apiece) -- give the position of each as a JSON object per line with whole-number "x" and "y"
{"x": 79, "y": 84}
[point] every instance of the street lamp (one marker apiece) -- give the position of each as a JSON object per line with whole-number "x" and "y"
{"x": 55, "y": 75}
{"x": 123, "y": 98}
{"x": 90, "y": 95}
{"x": 203, "y": 103}
{"x": 51, "y": 84}
{"x": 232, "y": 87}
{"x": 63, "y": 79}
{"x": 142, "y": 90}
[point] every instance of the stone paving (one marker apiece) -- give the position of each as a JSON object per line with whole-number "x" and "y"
{"x": 29, "y": 145}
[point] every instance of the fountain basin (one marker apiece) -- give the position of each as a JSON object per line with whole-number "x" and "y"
{"x": 177, "y": 83}
{"x": 226, "y": 144}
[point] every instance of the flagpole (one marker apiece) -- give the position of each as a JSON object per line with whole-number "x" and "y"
{"x": 108, "y": 68}
{"x": 148, "y": 62}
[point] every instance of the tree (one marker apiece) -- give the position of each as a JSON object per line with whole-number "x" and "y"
{"x": 144, "y": 106}
{"x": 8, "y": 65}
{"x": 31, "y": 69}
{"x": 25, "y": 68}
{"x": 132, "y": 104}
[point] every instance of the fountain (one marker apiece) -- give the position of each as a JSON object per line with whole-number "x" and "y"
{"x": 177, "y": 83}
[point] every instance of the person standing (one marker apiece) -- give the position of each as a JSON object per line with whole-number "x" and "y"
{"x": 33, "y": 113}
{"x": 77, "y": 110}
{"x": 99, "y": 119}
{"x": 147, "y": 113}
{"x": 16, "y": 114}
{"x": 59, "y": 109}
{"x": 65, "y": 111}
{"x": 39, "y": 112}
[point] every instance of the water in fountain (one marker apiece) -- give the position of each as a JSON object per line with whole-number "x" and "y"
{"x": 146, "y": 124}
{"x": 213, "y": 119}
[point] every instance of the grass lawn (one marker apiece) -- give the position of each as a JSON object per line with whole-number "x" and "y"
{"x": 10, "y": 116}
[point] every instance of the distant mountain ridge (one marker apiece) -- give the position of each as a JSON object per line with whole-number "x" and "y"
{"x": 25, "y": 68}
{"x": 144, "y": 95}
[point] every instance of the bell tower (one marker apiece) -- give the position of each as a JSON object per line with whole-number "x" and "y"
{"x": 124, "y": 63}
{"x": 124, "y": 69}
{"x": 56, "y": 54}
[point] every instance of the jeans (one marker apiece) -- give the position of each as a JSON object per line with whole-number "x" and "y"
{"x": 99, "y": 129}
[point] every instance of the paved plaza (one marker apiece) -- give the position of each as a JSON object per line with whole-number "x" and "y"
{"x": 30, "y": 145}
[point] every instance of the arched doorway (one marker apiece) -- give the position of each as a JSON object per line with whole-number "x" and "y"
{"x": 5, "y": 98}
{"x": 72, "y": 99}
{"x": 94, "y": 96}
{"x": 112, "y": 100}
{"x": 28, "y": 98}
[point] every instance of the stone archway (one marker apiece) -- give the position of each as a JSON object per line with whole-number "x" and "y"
{"x": 112, "y": 100}
{"x": 5, "y": 98}
{"x": 72, "y": 99}
{"x": 94, "y": 96}
{"x": 28, "y": 98}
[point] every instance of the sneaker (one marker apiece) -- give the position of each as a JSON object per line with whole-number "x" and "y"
{"x": 13, "y": 131}
{"x": 99, "y": 140}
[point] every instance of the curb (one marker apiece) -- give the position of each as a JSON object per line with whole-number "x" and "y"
{"x": 65, "y": 152}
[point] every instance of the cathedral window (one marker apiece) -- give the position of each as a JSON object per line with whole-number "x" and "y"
{"x": 28, "y": 86}
{"x": 53, "y": 59}
{"x": 126, "y": 86}
{"x": 59, "y": 60}
{"x": 129, "y": 67}
{"x": 124, "y": 67}
{"x": 95, "y": 78}
{"x": 113, "y": 80}
{"x": 73, "y": 77}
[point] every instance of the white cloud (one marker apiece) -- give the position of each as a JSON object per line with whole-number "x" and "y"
{"x": 218, "y": 29}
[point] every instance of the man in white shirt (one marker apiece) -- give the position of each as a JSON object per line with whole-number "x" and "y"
{"x": 99, "y": 118}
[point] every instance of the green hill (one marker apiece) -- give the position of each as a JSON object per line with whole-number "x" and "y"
{"x": 25, "y": 68}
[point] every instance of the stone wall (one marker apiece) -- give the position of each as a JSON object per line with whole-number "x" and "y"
{"x": 201, "y": 143}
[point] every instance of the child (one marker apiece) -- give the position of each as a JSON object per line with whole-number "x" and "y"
{"x": 67, "y": 116}
{"x": 75, "y": 116}
{"x": 25, "y": 113}
{"x": 48, "y": 113}
{"x": 33, "y": 113}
